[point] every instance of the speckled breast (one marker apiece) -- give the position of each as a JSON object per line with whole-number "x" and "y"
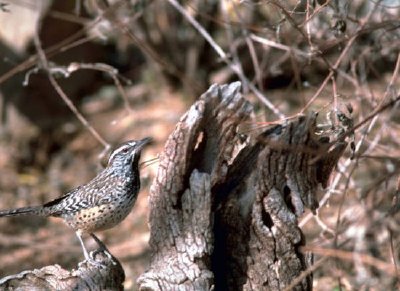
{"x": 103, "y": 216}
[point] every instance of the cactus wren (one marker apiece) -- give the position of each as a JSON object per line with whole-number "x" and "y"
{"x": 103, "y": 202}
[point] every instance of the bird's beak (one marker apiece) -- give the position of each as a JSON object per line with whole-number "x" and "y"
{"x": 142, "y": 143}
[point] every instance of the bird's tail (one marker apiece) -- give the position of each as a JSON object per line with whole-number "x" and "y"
{"x": 35, "y": 210}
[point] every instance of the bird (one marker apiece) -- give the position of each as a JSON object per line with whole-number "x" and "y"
{"x": 103, "y": 202}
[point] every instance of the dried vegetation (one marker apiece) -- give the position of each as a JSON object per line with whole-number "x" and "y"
{"x": 79, "y": 76}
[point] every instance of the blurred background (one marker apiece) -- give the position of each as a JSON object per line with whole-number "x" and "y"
{"x": 129, "y": 69}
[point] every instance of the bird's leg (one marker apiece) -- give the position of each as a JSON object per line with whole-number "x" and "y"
{"x": 86, "y": 253}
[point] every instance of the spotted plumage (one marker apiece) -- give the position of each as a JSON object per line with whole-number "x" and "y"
{"x": 103, "y": 202}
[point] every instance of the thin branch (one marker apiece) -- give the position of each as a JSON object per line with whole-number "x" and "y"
{"x": 338, "y": 61}
{"x": 225, "y": 58}
{"x": 45, "y": 64}
{"x": 349, "y": 256}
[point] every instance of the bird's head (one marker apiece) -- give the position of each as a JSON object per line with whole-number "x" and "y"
{"x": 128, "y": 153}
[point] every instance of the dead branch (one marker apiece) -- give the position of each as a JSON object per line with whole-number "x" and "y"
{"x": 107, "y": 276}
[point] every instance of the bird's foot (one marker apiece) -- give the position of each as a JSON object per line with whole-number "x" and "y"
{"x": 97, "y": 264}
{"x": 103, "y": 249}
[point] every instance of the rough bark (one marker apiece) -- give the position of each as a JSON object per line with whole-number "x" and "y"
{"x": 107, "y": 276}
{"x": 223, "y": 214}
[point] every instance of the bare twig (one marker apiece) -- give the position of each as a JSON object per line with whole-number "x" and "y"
{"x": 224, "y": 57}
{"x": 349, "y": 256}
{"x": 44, "y": 63}
{"x": 338, "y": 61}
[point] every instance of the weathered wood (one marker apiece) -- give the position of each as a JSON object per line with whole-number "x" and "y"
{"x": 196, "y": 156}
{"x": 108, "y": 276}
{"x": 223, "y": 215}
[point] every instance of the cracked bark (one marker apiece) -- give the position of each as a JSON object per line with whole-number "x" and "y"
{"x": 109, "y": 276}
{"x": 223, "y": 215}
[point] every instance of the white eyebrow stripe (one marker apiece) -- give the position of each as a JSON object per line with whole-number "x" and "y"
{"x": 121, "y": 148}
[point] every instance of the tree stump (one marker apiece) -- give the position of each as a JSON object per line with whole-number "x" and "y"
{"x": 223, "y": 214}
